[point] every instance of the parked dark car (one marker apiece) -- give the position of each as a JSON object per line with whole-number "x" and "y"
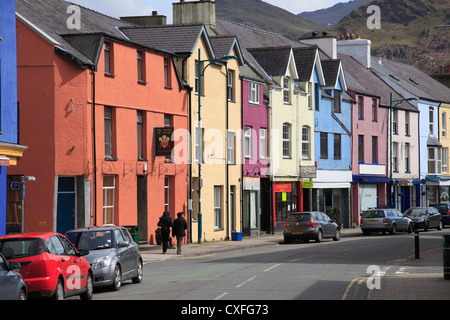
{"x": 310, "y": 225}
{"x": 113, "y": 254}
{"x": 444, "y": 210}
{"x": 12, "y": 286}
{"x": 424, "y": 218}
{"x": 384, "y": 220}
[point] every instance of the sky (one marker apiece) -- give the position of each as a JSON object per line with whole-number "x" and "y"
{"x": 118, "y": 8}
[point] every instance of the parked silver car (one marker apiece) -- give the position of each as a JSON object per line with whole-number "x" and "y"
{"x": 385, "y": 220}
{"x": 113, "y": 255}
{"x": 12, "y": 286}
{"x": 310, "y": 226}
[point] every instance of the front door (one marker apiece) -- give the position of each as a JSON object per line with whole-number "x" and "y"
{"x": 65, "y": 214}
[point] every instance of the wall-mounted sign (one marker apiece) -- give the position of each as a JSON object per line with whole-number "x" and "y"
{"x": 308, "y": 172}
{"x": 282, "y": 187}
{"x": 163, "y": 141}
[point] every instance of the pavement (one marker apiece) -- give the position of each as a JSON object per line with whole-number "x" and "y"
{"x": 424, "y": 279}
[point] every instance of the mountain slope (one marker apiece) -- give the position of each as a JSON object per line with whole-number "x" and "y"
{"x": 332, "y": 15}
{"x": 408, "y": 31}
{"x": 259, "y": 14}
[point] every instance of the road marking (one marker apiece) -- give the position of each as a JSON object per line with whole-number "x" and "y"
{"x": 272, "y": 267}
{"x": 221, "y": 296}
{"x": 360, "y": 280}
{"x": 246, "y": 281}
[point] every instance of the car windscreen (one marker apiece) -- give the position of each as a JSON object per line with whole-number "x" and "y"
{"x": 373, "y": 214}
{"x": 22, "y": 248}
{"x": 299, "y": 217}
{"x": 416, "y": 212}
{"x": 91, "y": 239}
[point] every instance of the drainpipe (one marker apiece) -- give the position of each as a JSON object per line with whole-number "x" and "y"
{"x": 226, "y": 153}
{"x": 95, "y": 149}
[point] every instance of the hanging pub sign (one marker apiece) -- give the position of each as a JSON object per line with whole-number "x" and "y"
{"x": 163, "y": 141}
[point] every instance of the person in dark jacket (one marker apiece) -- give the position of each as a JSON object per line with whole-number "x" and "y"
{"x": 165, "y": 222}
{"x": 179, "y": 230}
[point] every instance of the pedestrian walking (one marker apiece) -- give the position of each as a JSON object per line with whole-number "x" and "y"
{"x": 179, "y": 230}
{"x": 165, "y": 222}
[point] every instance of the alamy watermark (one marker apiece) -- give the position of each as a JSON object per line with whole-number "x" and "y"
{"x": 74, "y": 21}
{"x": 374, "y": 21}
{"x": 374, "y": 280}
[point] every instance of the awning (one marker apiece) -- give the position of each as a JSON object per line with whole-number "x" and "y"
{"x": 4, "y": 160}
{"x": 370, "y": 179}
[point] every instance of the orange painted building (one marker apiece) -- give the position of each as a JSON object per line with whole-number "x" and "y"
{"x": 90, "y": 103}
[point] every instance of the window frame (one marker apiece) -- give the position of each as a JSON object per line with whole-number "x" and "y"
{"x": 286, "y": 140}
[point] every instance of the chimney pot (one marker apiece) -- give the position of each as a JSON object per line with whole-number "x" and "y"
{"x": 314, "y": 34}
{"x": 324, "y": 33}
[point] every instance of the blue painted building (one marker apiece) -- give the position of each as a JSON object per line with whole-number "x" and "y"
{"x": 10, "y": 150}
{"x": 333, "y": 144}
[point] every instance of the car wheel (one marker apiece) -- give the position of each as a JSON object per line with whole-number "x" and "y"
{"x": 117, "y": 279}
{"x": 337, "y": 236}
{"x": 439, "y": 227}
{"x": 87, "y": 295}
{"x": 393, "y": 229}
{"x": 319, "y": 236}
{"x": 22, "y": 295}
{"x": 59, "y": 291}
{"x": 426, "y": 225}
{"x": 140, "y": 273}
{"x": 410, "y": 228}
{"x": 287, "y": 240}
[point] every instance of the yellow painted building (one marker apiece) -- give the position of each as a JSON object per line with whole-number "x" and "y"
{"x": 444, "y": 139}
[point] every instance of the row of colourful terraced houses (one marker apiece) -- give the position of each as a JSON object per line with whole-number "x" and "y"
{"x": 121, "y": 119}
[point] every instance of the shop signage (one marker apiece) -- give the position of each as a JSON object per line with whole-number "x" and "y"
{"x": 308, "y": 172}
{"x": 307, "y": 184}
{"x": 282, "y": 187}
{"x": 163, "y": 141}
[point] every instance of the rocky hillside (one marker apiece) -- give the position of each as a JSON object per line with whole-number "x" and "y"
{"x": 411, "y": 31}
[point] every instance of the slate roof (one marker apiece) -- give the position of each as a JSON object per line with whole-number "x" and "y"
{"x": 330, "y": 69}
{"x": 363, "y": 81}
{"x": 178, "y": 39}
{"x": 50, "y": 19}
{"x": 413, "y": 80}
{"x": 274, "y": 60}
{"x": 304, "y": 60}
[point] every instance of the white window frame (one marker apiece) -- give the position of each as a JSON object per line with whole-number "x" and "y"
{"x": 306, "y": 150}
{"x": 253, "y": 95}
{"x": 286, "y": 90}
{"x": 248, "y": 142}
{"x": 444, "y": 124}
{"x": 263, "y": 143}
{"x": 286, "y": 138}
{"x": 105, "y": 199}
{"x": 217, "y": 207}
{"x": 230, "y": 86}
{"x": 444, "y": 164}
{"x": 231, "y": 149}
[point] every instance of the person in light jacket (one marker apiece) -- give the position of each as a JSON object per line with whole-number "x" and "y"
{"x": 179, "y": 230}
{"x": 165, "y": 222}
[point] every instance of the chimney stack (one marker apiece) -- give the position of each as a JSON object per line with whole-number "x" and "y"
{"x": 359, "y": 49}
{"x": 194, "y": 12}
{"x": 153, "y": 20}
{"x": 326, "y": 43}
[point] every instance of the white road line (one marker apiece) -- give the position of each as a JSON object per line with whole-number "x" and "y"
{"x": 272, "y": 267}
{"x": 221, "y": 296}
{"x": 246, "y": 281}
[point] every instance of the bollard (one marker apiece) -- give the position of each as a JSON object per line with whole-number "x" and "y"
{"x": 446, "y": 255}
{"x": 416, "y": 244}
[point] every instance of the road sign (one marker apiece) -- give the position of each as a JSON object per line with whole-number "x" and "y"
{"x": 14, "y": 185}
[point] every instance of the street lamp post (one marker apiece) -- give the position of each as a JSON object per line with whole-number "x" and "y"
{"x": 391, "y": 181}
{"x": 201, "y": 73}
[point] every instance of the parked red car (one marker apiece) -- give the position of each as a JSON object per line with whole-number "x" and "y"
{"x": 50, "y": 265}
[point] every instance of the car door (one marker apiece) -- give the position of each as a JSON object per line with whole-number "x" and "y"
{"x": 124, "y": 253}
{"x": 434, "y": 217}
{"x": 9, "y": 281}
{"x": 402, "y": 222}
{"x": 134, "y": 249}
{"x": 76, "y": 270}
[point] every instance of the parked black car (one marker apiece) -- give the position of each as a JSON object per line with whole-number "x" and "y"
{"x": 424, "y": 218}
{"x": 310, "y": 225}
{"x": 444, "y": 210}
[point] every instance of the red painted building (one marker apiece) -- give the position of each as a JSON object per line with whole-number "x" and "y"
{"x": 90, "y": 103}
